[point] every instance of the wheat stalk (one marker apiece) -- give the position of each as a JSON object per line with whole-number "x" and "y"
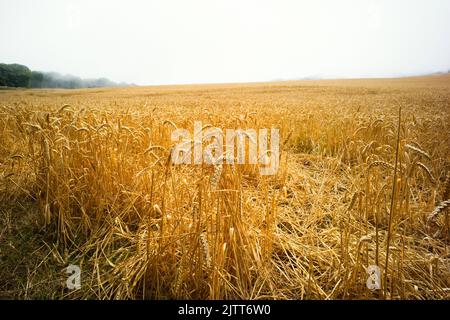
{"x": 171, "y": 123}
{"x": 418, "y": 150}
{"x": 438, "y": 209}
{"x": 446, "y": 188}
{"x": 427, "y": 171}
{"x": 381, "y": 164}
{"x": 205, "y": 249}
{"x": 216, "y": 176}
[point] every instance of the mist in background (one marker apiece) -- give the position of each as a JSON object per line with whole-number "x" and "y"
{"x": 57, "y": 80}
{"x": 20, "y": 76}
{"x": 198, "y": 41}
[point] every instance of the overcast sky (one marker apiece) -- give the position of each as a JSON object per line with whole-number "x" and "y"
{"x": 181, "y": 41}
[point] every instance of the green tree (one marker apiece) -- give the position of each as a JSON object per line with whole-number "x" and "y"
{"x": 14, "y": 75}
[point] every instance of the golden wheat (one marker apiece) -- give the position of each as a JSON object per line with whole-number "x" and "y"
{"x": 96, "y": 169}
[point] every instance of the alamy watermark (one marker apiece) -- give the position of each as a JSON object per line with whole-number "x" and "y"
{"x": 229, "y": 147}
{"x": 374, "y": 280}
{"x": 73, "y": 281}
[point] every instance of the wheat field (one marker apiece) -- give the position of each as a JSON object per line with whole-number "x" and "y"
{"x": 363, "y": 180}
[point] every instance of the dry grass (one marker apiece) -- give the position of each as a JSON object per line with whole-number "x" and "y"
{"x": 91, "y": 170}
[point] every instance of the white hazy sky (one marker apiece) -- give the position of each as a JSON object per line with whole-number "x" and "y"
{"x": 180, "y": 41}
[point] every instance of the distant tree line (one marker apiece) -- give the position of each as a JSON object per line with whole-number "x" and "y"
{"x": 17, "y": 75}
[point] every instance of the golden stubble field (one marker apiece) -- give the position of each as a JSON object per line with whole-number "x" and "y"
{"x": 86, "y": 179}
